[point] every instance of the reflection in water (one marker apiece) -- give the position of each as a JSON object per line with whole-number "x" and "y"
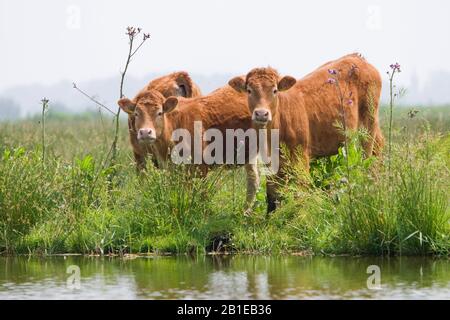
{"x": 223, "y": 277}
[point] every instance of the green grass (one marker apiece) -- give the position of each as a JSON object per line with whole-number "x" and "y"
{"x": 69, "y": 204}
{"x": 372, "y": 213}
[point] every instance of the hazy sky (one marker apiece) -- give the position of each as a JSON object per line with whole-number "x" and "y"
{"x": 47, "y": 41}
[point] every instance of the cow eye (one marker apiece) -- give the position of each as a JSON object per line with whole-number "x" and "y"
{"x": 136, "y": 114}
{"x": 275, "y": 91}
{"x": 249, "y": 91}
{"x": 159, "y": 113}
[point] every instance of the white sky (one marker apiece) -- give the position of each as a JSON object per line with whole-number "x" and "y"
{"x": 47, "y": 41}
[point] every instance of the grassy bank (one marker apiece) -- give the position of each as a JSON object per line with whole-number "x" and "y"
{"x": 68, "y": 203}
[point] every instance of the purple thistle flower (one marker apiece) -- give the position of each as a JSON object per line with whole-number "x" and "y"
{"x": 332, "y": 71}
{"x": 132, "y": 31}
{"x": 395, "y": 67}
{"x": 349, "y": 102}
{"x": 331, "y": 81}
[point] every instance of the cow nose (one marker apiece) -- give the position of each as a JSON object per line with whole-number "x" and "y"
{"x": 146, "y": 134}
{"x": 261, "y": 115}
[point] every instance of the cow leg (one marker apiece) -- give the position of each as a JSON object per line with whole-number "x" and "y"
{"x": 375, "y": 142}
{"x": 252, "y": 184}
{"x": 201, "y": 171}
{"x": 155, "y": 162}
{"x": 379, "y": 143}
{"x": 369, "y": 115}
{"x": 274, "y": 182}
{"x": 140, "y": 162}
{"x": 272, "y": 195}
{"x": 306, "y": 159}
{"x": 204, "y": 170}
{"x": 368, "y": 144}
{"x": 197, "y": 170}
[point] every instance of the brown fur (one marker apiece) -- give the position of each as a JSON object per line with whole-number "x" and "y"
{"x": 306, "y": 114}
{"x": 178, "y": 84}
{"x": 174, "y": 84}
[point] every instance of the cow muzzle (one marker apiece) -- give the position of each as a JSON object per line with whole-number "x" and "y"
{"x": 146, "y": 135}
{"x": 261, "y": 116}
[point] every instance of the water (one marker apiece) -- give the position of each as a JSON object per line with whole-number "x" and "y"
{"x": 229, "y": 277}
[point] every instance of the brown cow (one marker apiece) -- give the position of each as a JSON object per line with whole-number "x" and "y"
{"x": 174, "y": 84}
{"x": 306, "y": 115}
{"x": 157, "y": 117}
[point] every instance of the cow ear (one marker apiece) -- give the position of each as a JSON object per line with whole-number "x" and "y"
{"x": 127, "y": 105}
{"x": 286, "y": 83}
{"x": 170, "y": 104}
{"x": 185, "y": 84}
{"x": 237, "y": 84}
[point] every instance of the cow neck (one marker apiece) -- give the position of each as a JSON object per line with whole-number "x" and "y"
{"x": 161, "y": 149}
{"x": 282, "y": 117}
{"x": 276, "y": 121}
{"x": 275, "y": 124}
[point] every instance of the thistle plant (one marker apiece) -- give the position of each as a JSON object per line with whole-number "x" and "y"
{"x": 44, "y": 103}
{"x": 345, "y": 100}
{"x": 132, "y": 34}
{"x": 111, "y": 157}
{"x": 395, "y": 68}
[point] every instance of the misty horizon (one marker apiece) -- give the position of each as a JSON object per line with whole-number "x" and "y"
{"x": 45, "y": 44}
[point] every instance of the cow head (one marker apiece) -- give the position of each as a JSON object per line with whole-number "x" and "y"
{"x": 177, "y": 84}
{"x": 148, "y": 109}
{"x": 262, "y": 86}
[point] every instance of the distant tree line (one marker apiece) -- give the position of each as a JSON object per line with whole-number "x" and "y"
{"x": 9, "y": 109}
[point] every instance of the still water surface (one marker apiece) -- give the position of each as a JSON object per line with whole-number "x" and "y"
{"x": 229, "y": 277}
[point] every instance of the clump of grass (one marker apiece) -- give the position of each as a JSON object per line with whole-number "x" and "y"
{"x": 33, "y": 198}
{"x": 178, "y": 204}
{"x": 405, "y": 212}
{"x": 24, "y": 200}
